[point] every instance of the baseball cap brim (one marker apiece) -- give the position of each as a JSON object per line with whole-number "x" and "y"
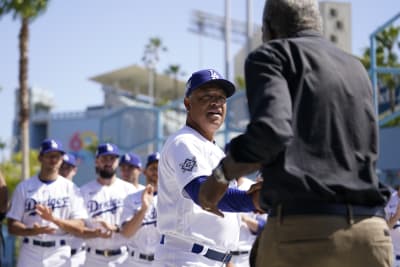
{"x": 52, "y": 150}
{"x": 225, "y": 85}
{"x": 108, "y": 153}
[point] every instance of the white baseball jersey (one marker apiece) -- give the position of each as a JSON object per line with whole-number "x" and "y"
{"x": 106, "y": 203}
{"x": 61, "y": 195}
{"x": 187, "y": 155}
{"x": 390, "y": 210}
{"x": 145, "y": 240}
{"x": 246, "y": 236}
{"x": 66, "y": 203}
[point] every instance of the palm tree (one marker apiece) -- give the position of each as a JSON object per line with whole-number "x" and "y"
{"x": 26, "y": 11}
{"x": 386, "y": 57}
{"x": 174, "y": 70}
{"x": 151, "y": 57}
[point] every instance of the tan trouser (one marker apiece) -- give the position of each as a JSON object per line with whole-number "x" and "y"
{"x": 324, "y": 241}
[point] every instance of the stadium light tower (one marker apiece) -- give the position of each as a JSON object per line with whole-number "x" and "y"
{"x": 223, "y": 28}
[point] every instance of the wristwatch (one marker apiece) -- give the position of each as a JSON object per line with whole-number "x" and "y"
{"x": 219, "y": 175}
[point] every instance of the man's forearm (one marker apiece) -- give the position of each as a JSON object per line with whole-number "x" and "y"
{"x": 74, "y": 227}
{"x": 130, "y": 227}
{"x": 234, "y": 169}
{"x": 17, "y": 228}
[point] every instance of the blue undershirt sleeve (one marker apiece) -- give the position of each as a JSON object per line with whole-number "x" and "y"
{"x": 234, "y": 200}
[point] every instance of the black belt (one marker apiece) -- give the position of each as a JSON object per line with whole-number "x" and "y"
{"x": 74, "y": 250}
{"x": 239, "y": 252}
{"x": 46, "y": 244}
{"x": 107, "y": 252}
{"x": 212, "y": 254}
{"x": 326, "y": 209}
{"x": 147, "y": 257}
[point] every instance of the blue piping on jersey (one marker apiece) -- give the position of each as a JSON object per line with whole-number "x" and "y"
{"x": 234, "y": 200}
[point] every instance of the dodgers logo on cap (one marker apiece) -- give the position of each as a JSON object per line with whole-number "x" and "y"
{"x": 208, "y": 76}
{"x": 131, "y": 159}
{"x": 69, "y": 159}
{"x": 49, "y": 145}
{"x": 107, "y": 149}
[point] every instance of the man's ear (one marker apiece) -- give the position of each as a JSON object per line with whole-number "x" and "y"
{"x": 186, "y": 101}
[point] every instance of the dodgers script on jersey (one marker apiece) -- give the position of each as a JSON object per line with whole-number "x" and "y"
{"x": 61, "y": 195}
{"x": 187, "y": 155}
{"x": 106, "y": 203}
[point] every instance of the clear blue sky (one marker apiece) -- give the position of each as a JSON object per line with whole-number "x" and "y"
{"x": 76, "y": 39}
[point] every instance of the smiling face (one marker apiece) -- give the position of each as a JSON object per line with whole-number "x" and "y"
{"x": 206, "y": 109}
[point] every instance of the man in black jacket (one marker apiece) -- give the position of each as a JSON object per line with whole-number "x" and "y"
{"x": 313, "y": 132}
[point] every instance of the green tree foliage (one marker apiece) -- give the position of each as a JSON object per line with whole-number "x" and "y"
{"x": 174, "y": 71}
{"x": 151, "y": 57}
{"x": 11, "y": 169}
{"x": 387, "y": 49}
{"x": 25, "y": 11}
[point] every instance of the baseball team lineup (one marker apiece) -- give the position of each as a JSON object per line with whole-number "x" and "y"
{"x": 316, "y": 201}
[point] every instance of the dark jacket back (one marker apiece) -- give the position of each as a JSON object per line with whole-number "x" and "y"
{"x": 313, "y": 123}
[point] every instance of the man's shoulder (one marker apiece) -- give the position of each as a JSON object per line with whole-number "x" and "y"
{"x": 182, "y": 136}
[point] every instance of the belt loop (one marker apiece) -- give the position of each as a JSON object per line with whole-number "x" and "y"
{"x": 350, "y": 215}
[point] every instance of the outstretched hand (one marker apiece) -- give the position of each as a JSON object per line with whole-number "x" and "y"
{"x": 211, "y": 192}
{"x": 45, "y": 212}
{"x": 147, "y": 196}
{"x": 254, "y": 191}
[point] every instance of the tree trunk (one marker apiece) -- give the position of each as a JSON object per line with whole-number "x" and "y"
{"x": 24, "y": 97}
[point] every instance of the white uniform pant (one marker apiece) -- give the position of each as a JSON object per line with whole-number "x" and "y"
{"x": 241, "y": 260}
{"x": 95, "y": 260}
{"x": 78, "y": 259}
{"x": 32, "y": 255}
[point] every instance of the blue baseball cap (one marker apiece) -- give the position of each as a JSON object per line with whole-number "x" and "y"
{"x": 107, "y": 149}
{"x": 203, "y": 77}
{"x": 131, "y": 159}
{"x": 49, "y": 145}
{"x": 69, "y": 159}
{"x": 153, "y": 158}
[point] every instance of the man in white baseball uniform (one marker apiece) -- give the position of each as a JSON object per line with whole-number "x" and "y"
{"x": 130, "y": 168}
{"x": 392, "y": 210}
{"x": 44, "y": 209}
{"x": 68, "y": 170}
{"x": 140, "y": 218}
{"x": 190, "y": 235}
{"x": 250, "y": 226}
{"x": 104, "y": 199}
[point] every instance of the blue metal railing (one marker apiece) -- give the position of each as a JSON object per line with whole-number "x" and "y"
{"x": 374, "y": 69}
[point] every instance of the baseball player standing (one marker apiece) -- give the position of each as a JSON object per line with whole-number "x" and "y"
{"x": 140, "y": 218}
{"x": 392, "y": 210}
{"x": 44, "y": 209}
{"x": 250, "y": 226}
{"x": 190, "y": 235}
{"x": 130, "y": 167}
{"x": 68, "y": 170}
{"x": 104, "y": 199}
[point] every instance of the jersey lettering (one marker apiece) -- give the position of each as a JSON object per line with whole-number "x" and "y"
{"x": 53, "y": 203}
{"x": 95, "y": 208}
